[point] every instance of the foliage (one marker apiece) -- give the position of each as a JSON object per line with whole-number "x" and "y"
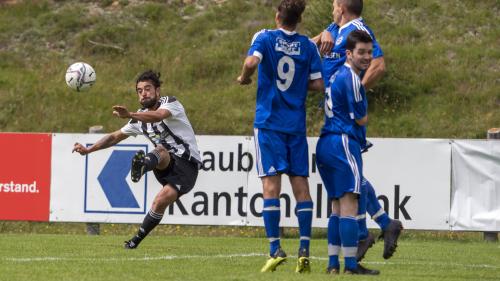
{"x": 441, "y": 81}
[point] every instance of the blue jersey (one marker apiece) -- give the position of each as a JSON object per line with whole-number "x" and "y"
{"x": 345, "y": 102}
{"x": 288, "y": 61}
{"x": 337, "y": 57}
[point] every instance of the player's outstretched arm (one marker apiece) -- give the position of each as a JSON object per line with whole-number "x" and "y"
{"x": 146, "y": 117}
{"x": 105, "y": 142}
{"x": 249, "y": 67}
{"x": 374, "y": 72}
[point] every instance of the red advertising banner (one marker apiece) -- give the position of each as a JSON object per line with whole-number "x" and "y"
{"x": 25, "y": 176}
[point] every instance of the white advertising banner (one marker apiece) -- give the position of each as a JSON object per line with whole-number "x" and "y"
{"x": 411, "y": 178}
{"x": 475, "y": 185}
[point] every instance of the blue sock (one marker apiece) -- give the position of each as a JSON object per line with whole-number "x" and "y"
{"x": 271, "y": 215}
{"x": 333, "y": 241}
{"x": 304, "y": 212}
{"x": 374, "y": 209}
{"x": 362, "y": 229}
{"x": 349, "y": 237}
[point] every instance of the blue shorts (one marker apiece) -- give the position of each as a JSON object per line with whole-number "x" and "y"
{"x": 280, "y": 153}
{"x": 338, "y": 158}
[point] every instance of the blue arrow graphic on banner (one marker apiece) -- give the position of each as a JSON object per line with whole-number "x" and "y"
{"x": 112, "y": 180}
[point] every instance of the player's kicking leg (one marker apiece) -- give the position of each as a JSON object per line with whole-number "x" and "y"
{"x": 142, "y": 162}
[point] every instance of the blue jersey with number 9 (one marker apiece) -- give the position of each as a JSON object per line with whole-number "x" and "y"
{"x": 288, "y": 61}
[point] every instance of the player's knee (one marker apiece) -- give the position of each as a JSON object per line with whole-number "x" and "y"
{"x": 163, "y": 199}
{"x": 303, "y": 195}
{"x": 164, "y": 157}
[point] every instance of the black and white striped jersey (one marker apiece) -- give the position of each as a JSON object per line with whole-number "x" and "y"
{"x": 175, "y": 132}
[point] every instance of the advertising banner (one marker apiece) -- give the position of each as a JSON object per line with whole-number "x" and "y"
{"x": 476, "y": 185}
{"x": 25, "y": 176}
{"x": 406, "y": 173}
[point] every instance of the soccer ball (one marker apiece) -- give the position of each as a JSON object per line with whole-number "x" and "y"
{"x": 80, "y": 76}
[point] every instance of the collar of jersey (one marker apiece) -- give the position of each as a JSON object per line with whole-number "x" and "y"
{"x": 289, "y": 33}
{"x": 349, "y": 23}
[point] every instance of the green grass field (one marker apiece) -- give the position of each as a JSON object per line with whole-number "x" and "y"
{"x": 81, "y": 257}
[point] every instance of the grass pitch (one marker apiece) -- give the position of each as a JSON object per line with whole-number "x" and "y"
{"x": 80, "y": 257}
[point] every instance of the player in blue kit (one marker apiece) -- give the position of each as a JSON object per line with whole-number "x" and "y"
{"x": 289, "y": 65}
{"x": 338, "y": 152}
{"x": 332, "y": 41}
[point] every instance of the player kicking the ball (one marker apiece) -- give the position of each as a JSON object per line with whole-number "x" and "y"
{"x": 175, "y": 161}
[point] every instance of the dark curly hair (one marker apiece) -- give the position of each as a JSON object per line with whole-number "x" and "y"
{"x": 149, "y": 75}
{"x": 290, "y": 11}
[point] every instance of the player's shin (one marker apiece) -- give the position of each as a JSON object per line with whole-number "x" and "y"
{"x": 271, "y": 214}
{"x": 333, "y": 242}
{"x": 374, "y": 208}
{"x": 304, "y": 211}
{"x": 151, "y": 220}
{"x": 349, "y": 238}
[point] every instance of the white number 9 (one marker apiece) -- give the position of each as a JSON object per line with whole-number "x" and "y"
{"x": 287, "y": 76}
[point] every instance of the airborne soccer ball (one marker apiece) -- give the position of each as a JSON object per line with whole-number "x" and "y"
{"x": 80, "y": 76}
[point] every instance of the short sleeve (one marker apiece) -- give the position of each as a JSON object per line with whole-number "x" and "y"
{"x": 131, "y": 128}
{"x": 257, "y": 45}
{"x": 173, "y": 105}
{"x": 316, "y": 66}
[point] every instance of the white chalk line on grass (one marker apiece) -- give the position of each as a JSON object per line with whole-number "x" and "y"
{"x": 228, "y": 256}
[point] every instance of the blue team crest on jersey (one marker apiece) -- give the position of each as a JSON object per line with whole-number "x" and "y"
{"x": 289, "y": 48}
{"x": 339, "y": 40}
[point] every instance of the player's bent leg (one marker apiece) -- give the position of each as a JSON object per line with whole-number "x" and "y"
{"x": 165, "y": 197}
{"x": 373, "y": 206}
{"x": 391, "y": 228}
{"x": 158, "y": 158}
{"x": 391, "y": 236}
{"x": 137, "y": 168}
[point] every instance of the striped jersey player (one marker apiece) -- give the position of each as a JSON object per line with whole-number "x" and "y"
{"x": 175, "y": 160}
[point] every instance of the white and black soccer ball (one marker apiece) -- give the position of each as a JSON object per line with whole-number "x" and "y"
{"x": 80, "y": 76}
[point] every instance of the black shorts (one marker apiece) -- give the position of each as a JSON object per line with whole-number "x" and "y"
{"x": 181, "y": 174}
